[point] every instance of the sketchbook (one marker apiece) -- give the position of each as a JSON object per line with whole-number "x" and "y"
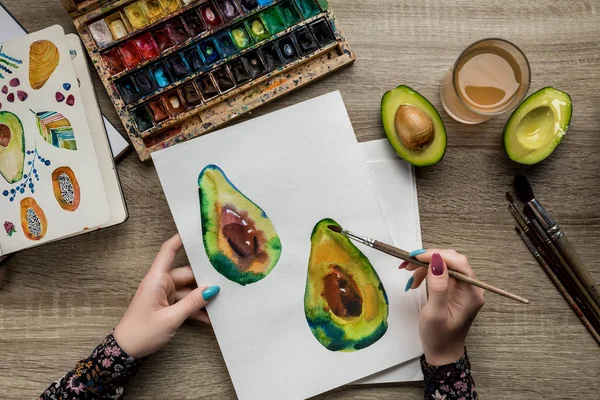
{"x": 57, "y": 174}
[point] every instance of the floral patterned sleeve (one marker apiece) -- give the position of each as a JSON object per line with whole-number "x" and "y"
{"x": 449, "y": 382}
{"x": 101, "y": 376}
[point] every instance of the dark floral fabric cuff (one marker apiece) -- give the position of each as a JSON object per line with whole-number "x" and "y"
{"x": 449, "y": 382}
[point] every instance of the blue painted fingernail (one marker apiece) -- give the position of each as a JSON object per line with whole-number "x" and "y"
{"x": 415, "y": 253}
{"x": 210, "y": 293}
{"x": 409, "y": 284}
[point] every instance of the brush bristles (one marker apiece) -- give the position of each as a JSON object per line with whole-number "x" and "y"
{"x": 335, "y": 228}
{"x": 523, "y": 188}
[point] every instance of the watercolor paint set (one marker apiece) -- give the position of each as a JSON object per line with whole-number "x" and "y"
{"x": 176, "y": 69}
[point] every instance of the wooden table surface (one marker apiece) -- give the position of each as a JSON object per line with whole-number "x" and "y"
{"x": 57, "y": 302}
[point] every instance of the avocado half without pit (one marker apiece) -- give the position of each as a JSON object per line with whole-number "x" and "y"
{"x": 537, "y": 126}
{"x": 413, "y": 126}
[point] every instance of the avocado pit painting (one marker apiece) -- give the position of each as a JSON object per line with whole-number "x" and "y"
{"x": 301, "y": 310}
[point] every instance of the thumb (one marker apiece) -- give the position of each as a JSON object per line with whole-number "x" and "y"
{"x": 437, "y": 286}
{"x": 196, "y": 300}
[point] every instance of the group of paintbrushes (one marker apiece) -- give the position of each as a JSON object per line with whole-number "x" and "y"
{"x": 556, "y": 256}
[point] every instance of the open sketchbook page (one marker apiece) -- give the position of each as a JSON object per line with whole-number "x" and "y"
{"x": 9, "y": 29}
{"x": 50, "y": 181}
{"x": 298, "y": 165}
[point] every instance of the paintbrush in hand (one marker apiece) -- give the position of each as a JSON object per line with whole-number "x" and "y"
{"x": 558, "y": 238}
{"x": 403, "y": 255}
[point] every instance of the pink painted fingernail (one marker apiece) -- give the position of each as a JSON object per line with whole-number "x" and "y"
{"x": 403, "y": 265}
{"x": 437, "y": 264}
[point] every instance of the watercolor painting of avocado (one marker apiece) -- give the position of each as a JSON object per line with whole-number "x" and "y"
{"x": 240, "y": 240}
{"x": 345, "y": 303}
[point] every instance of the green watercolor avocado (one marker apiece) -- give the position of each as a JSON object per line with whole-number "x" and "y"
{"x": 239, "y": 239}
{"x": 12, "y": 147}
{"x": 424, "y": 144}
{"x": 537, "y": 126}
{"x": 345, "y": 303}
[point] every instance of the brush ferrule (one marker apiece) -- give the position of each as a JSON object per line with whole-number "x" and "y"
{"x": 360, "y": 239}
{"x": 530, "y": 244}
{"x": 555, "y": 233}
{"x": 542, "y": 216}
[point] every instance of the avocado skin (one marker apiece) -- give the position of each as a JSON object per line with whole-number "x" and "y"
{"x": 532, "y": 97}
{"x": 210, "y": 214}
{"x": 16, "y": 145}
{"x": 333, "y": 333}
{"x": 418, "y": 159}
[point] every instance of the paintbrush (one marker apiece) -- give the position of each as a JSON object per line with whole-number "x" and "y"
{"x": 558, "y": 238}
{"x": 403, "y": 255}
{"x": 558, "y": 284}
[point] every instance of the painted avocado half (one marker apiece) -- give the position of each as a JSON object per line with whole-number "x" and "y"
{"x": 345, "y": 302}
{"x": 413, "y": 127}
{"x": 12, "y": 147}
{"x": 537, "y": 126}
{"x": 239, "y": 239}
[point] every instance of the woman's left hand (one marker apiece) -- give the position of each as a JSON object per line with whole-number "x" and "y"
{"x": 163, "y": 301}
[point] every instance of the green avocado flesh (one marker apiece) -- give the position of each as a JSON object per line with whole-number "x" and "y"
{"x": 12, "y": 147}
{"x": 345, "y": 303}
{"x": 239, "y": 239}
{"x": 537, "y": 126}
{"x": 403, "y": 95}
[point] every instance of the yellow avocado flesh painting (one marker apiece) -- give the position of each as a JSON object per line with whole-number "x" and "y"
{"x": 345, "y": 303}
{"x": 239, "y": 239}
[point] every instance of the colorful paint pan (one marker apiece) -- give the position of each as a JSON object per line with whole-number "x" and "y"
{"x": 163, "y": 39}
{"x": 272, "y": 20}
{"x": 136, "y": 15}
{"x": 254, "y": 64}
{"x": 152, "y": 9}
{"x": 209, "y": 51}
{"x": 144, "y": 82}
{"x": 249, "y": 5}
{"x": 289, "y": 13}
{"x": 322, "y": 32}
{"x": 225, "y": 44}
{"x": 308, "y": 8}
{"x": 116, "y": 24}
{"x": 224, "y": 79}
{"x": 257, "y": 29}
{"x": 177, "y": 30}
{"x": 128, "y": 90}
{"x": 240, "y": 37}
{"x": 173, "y": 102}
{"x": 228, "y": 9}
{"x": 130, "y": 55}
{"x": 194, "y": 58}
{"x": 207, "y": 87}
{"x": 178, "y": 66}
{"x": 147, "y": 46}
{"x": 170, "y": 5}
{"x": 211, "y": 16}
{"x": 158, "y": 110}
{"x": 142, "y": 118}
{"x": 271, "y": 57}
{"x": 101, "y": 33}
{"x": 160, "y": 74}
{"x": 193, "y": 23}
{"x": 287, "y": 49}
{"x": 305, "y": 40}
{"x": 114, "y": 61}
{"x": 191, "y": 95}
{"x": 238, "y": 72}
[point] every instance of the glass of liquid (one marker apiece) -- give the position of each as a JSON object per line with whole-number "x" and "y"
{"x": 489, "y": 78}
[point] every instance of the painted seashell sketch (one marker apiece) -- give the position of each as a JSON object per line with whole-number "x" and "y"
{"x": 43, "y": 60}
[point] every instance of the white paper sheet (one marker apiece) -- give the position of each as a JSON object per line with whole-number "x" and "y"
{"x": 9, "y": 29}
{"x": 300, "y": 165}
{"x": 93, "y": 208}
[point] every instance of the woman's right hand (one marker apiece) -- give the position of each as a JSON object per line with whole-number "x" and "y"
{"x": 451, "y": 307}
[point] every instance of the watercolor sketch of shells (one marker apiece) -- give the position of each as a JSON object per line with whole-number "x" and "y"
{"x": 43, "y": 60}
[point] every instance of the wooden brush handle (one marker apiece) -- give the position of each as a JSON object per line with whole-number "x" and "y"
{"x": 575, "y": 262}
{"x": 403, "y": 255}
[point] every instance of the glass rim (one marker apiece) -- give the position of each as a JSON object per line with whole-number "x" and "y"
{"x": 455, "y": 84}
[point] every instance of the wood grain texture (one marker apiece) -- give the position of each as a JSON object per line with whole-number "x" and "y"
{"x": 58, "y": 301}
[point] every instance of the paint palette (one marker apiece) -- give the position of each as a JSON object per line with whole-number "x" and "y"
{"x": 176, "y": 69}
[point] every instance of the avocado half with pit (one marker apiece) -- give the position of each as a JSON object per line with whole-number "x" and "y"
{"x": 537, "y": 126}
{"x": 413, "y": 126}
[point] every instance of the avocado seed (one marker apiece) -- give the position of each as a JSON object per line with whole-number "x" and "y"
{"x": 414, "y": 128}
